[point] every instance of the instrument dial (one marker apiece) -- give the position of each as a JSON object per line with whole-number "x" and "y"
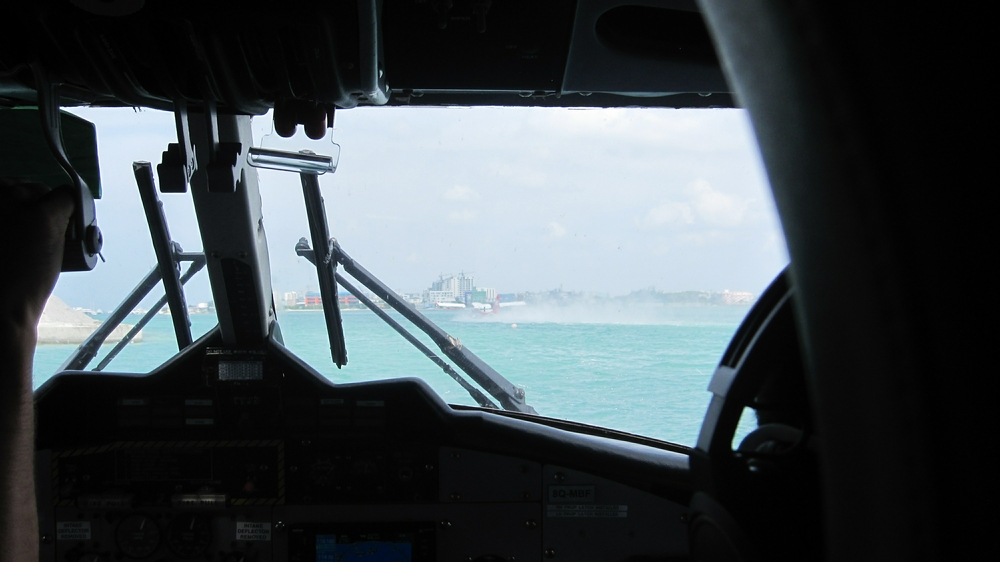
{"x": 189, "y": 535}
{"x": 138, "y": 536}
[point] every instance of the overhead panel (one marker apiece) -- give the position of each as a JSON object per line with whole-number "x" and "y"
{"x": 514, "y": 46}
{"x": 642, "y": 48}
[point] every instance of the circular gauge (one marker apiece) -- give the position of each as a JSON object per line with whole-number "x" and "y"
{"x": 189, "y": 535}
{"x": 137, "y": 536}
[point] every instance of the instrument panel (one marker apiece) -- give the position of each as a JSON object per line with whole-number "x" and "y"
{"x": 251, "y": 456}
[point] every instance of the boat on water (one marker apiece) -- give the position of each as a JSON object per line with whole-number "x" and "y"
{"x": 856, "y": 363}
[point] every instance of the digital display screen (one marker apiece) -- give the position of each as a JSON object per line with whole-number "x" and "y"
{"x": 365, "y": 547}
{"x": 241, "y": 370}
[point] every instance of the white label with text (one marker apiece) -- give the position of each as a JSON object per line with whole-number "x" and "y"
{"x": 253, "y": 531}
{"x": 574, "y": 494}
{"x": 73, "y": 531}
{"x": 586, "y": 510}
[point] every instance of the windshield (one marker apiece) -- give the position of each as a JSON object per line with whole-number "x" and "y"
{"x": 598, "y": 259}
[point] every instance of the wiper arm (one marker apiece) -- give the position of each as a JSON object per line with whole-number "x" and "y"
{"x": 169, "y": 267}
{"x": 303, "y": 249}
{"x": 510, "y": 396}
{"x": 326, "y": 267}
{"x": 85, "y": 353}
{"x": 197, "y": 263}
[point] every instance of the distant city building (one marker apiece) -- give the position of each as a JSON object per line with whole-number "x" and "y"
{"x": 451, "y": 288}
{"x": 431, "y": 297}
{"x": 481, "y": 294}
{"x": 456, "y": 290}
{"x": 311, "y": 300}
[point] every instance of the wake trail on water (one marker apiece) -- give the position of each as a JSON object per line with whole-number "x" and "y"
{"x": 609, "y": 313}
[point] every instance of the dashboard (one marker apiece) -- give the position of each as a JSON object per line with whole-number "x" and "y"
{"x": 237, "y": 455}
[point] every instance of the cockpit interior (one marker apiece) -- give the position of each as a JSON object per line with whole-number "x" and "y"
{"x": 236, "y": 450}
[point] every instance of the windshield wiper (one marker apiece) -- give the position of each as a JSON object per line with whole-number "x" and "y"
{"x": 303, "y": 250}
{"x": 510, "y": 396}
{"x": 326, "y": 267}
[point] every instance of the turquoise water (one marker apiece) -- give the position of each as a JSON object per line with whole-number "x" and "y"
{"x": 644, "y": 372}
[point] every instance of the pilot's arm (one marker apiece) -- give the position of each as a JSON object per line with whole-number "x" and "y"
{"x": 33, "y": 221}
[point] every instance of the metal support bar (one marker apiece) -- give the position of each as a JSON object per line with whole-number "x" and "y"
{"x": 88, "y": 349}
{"x": 197, "y": 264}
{"x": 303, "y": 250}
{"x": 511, "y": 397}
{"x": 326, "y": 268}
{"x": 370, "y": 53}
{"x": 169, "y": 269}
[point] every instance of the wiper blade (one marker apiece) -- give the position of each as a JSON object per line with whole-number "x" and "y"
{"x": 326, "y": 267}
{"x": 197, "y": 263}
{"x": 510, "y": 396}
{"x": 169, "y": 268}
{"x": 86, "y": 351}
{"x": 303, "y": 249}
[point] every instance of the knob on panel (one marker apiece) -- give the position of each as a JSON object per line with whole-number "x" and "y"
{"x": 138, "y": 536}
{"x": 189, "y": 535}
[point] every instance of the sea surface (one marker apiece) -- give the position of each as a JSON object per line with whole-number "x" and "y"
{"x": 644, "y": 372}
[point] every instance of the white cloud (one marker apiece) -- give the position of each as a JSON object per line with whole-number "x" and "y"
{"x": 462, "y": 216}
{"x": 671, "y": 213}
{"x": 461, "y": 193}
{"x": 702, "y": 205}
{"x": 715, "y": 208}
{"x": 557, "y": 230}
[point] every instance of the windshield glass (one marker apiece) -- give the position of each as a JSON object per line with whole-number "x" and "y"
{"x": 599, "y": 259}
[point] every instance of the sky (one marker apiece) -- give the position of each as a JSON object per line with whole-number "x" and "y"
{"x": 523, "y": 199}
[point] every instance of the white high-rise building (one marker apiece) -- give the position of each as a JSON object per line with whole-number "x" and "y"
{"x": 452, "y": 286}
